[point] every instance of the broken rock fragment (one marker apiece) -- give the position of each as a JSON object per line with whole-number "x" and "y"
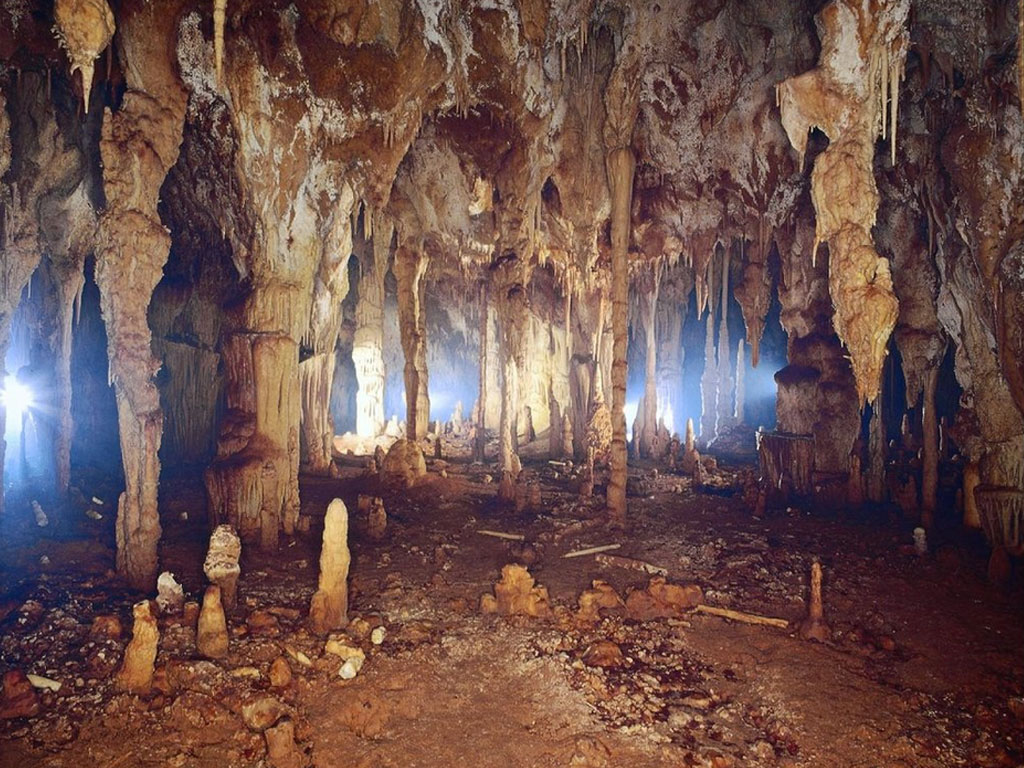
{"x": 18, "y": 698}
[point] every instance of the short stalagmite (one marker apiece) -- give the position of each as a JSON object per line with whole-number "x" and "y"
{"x": 329, "y": 608}
{"x": 136, "y": 672}
{"x": 222, "y": 563}
{"x": 212, "y": 633}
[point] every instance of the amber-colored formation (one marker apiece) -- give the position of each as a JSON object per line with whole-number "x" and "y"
{"x": 307, "y": 210}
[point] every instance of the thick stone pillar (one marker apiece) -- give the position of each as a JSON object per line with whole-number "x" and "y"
{"x": 139, "y": 144}
{"x": 368, "y": 344}
{"x": 620, "y": 167}
{"x": 410, "y": 266}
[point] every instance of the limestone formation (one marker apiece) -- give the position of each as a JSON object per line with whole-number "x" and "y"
{"x": 212, "y": 632}
{"x": 85, "y": 28}
{"x": 404, "y": 464}
{"x": 222, "y": 563}
{"x": 329, "y": 608}
{"x": 376, "y": 519}
{"x": 517, "y": 594}
{"x": 814, "y": 626}
{"x": 136, "y": 672}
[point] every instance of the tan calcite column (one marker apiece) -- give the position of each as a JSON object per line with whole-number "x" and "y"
{"x": 620, "y": 167}
{"x": 138, "y": 146}
{"x": 368, "y": 343}
{"x": 410, "y": 266}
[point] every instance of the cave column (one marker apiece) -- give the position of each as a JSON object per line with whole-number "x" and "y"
{"x": 649, "y": 305}
{"x": 20, "y": 248}
{"x": 724, "y": 352}
{"x": 316, "y": 371}
{"x": 69, "y": 286}
{"x": 138, "y": 146}
{"x": 480, "y": 442}
{"x": 930, "y": 449}
{"x": 368, "y": 343}
{"x": 410, "y": 266}
{"x": 511, "y": 303}
{"x": 620, "y": 167}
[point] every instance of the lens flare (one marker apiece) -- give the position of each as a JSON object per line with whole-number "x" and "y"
{"x": 16, "y": 397}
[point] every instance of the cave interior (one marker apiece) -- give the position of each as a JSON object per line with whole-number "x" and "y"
{"x": 512, "y": 383}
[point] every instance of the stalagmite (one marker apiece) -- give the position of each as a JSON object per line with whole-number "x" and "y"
{"x": 136, "y": 672}
{"x": 84, "y": 28}
{"x": 222, "y": 563}
{"x": 212, "y": 633}
{"x": 409, "y": 268}
{"x": 814, "y": 626}
{"x": 567, "y": 437}
{"x": 709, "y": 383}
{"x": 877, "y": 450}
{"x": 741, "y": 366}
{"x": 329, "y": 608}
{"x": 971, "y": 480}
{"x": 130, "y": 256}
{"x": 620, "y": 167}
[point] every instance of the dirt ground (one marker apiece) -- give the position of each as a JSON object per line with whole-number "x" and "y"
{"x": 925, "y": 665}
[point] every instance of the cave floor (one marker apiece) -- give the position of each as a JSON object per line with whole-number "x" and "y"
{"x": 925, "y": 666}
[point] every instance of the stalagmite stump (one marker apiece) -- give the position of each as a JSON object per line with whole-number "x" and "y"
{"x": 600, "y": 596}
{"x": 329, "y": 608}
{"x": 169, "y": 595}
{"x": 282, "y": 751}
{"x": 814, "y": 626}
{"x": 662, "y": 600}
{"x": 787, "y": 461}
{"x": 404, "y": 464}
{"x": 136, "y": 672}
{"x": 221, "y": 566}
{"x": 1002, "y": 518}
{"x": 376, "y": 519}
{"x": 517, "y": 594}
{"x": 212, "y": 634}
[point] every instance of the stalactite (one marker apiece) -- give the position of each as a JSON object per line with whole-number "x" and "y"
{"x": 863, "y": 50}
{"x": 754, "y": 294}
{"x": 316, "y": 375}
{"x": 219, "y": 14}
{"x": 84, "y": 28}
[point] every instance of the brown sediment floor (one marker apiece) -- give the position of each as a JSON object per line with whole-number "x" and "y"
{"x": 925, "y": 666}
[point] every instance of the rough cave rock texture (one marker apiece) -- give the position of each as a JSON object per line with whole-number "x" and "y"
{"x": 540, "y": 208}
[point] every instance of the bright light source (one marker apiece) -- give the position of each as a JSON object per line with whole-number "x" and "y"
{"x": 17, "y": 398}
{"x": 630, "y": 413}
